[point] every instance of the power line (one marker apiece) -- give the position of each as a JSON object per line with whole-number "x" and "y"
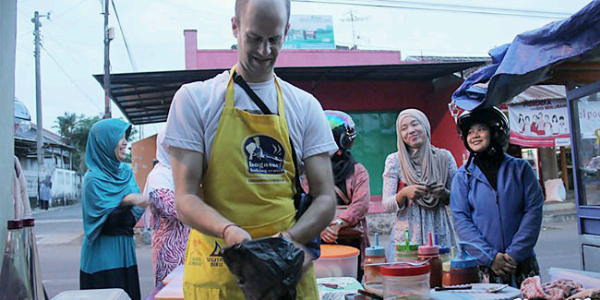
{"x": 133, "y": 66}
{"x": 66, "y": 11}
{"x": 69, "y": 77}
{"x": 445, "y": 8}
{"x": 57, "y": 43}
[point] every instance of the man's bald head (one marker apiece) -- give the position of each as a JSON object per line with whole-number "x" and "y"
{"x": 240, "y": 4}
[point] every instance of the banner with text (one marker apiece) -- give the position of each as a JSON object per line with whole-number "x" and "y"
{"x": 539, "y": 124}
{"x": 589, "y": 119}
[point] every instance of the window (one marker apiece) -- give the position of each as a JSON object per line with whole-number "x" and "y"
{"x": 587, "y": 139}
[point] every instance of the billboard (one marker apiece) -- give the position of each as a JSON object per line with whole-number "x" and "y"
{"x": 541, "y": 123}
{"x": 310, "y": 32}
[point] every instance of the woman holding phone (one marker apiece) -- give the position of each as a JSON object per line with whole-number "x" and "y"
{"x": 416, "y": 184}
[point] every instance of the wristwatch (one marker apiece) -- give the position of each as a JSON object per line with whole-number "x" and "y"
{"x": 339, "y": 222}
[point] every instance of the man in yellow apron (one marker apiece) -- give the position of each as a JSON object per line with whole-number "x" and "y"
{"x": 232, "y": 167}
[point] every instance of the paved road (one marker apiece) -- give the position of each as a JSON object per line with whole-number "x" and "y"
{"x": 59, "y": 234}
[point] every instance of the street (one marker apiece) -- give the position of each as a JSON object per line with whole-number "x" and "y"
{"x": 59, "y": 234}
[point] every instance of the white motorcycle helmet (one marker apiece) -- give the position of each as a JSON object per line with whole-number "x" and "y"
{"x": 22, "y": 118}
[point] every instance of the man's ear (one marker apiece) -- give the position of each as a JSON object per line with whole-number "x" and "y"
{"x": 235, "y": 27}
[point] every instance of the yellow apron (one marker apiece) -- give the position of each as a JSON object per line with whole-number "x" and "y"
{"x": 249, "y": 180}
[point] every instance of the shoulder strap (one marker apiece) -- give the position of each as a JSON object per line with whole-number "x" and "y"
{"x": 237, "y": 78}
{"x": 341, "y": 194}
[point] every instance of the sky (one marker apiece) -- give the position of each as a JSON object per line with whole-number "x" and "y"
{"x": 73, "y": 45}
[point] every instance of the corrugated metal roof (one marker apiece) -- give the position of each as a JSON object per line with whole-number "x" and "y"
{"x": 145, "y": 98}
{"x": 540, "y": 92}
{"x": 50, "y": 137}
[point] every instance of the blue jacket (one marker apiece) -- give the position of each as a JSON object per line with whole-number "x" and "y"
{"x": 507, "y": 220}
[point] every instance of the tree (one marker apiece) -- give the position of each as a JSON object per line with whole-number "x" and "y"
{"x": 74, "y": 131}
{"x": 80, "y": 135}
{"x": 66, "y": 125}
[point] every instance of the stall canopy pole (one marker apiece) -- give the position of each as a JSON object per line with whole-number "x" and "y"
{"x": 563, "y": 167}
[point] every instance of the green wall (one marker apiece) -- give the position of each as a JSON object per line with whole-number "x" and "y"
{"x": 376, "y": 138}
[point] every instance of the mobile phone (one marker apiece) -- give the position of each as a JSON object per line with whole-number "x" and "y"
{"x": 430, "y": 186}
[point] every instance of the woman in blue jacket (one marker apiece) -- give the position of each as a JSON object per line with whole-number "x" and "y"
{"x": 496, "y": 200}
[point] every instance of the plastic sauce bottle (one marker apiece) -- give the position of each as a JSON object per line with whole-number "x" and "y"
{"x": 446, "y": 269}
{"x": 374, "y": 255}
{"x": 445, "y": 255}
{"x": 446, "y": 279}
{"x": 407, "y": 251}
{"x": 431, "y": 252}
{"x": 463, "y": 267}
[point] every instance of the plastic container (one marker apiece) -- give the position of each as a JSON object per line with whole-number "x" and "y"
{"x": 463, "y": 268}
{"x": 337, "y": 261}
{"x": 408, "y": 251}
{"x": 431, "y": 253}
{"x": 374, "y": 255}
{"x": 99, "y": 294}
{"x": 15, "y": 282}
{"x": 32, "y": 258}
{"x": 403, "y": 281}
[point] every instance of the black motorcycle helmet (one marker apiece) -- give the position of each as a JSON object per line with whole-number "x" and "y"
{"x": 494, "y": 118}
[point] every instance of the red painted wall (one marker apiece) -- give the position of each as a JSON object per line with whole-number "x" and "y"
{"x": 443, "y": 128}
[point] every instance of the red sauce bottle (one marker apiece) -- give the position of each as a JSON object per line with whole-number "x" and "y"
{"x": 432, "y": 254}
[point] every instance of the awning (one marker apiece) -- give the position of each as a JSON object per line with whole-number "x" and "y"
{"x": 145, "y": 98}
{"x": 558, "y": 53}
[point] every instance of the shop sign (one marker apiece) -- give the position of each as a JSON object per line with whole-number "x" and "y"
{"x": 540, "y": 124}
{"x": 589, "y": 119}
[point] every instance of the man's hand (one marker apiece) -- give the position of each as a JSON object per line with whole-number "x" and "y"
{"x": 501, "y": 266}
{"x": 235, "y": 235}
{"x": 330, "y": 234}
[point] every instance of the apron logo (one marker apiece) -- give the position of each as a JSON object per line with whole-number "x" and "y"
{"x": 215, "y": 259}
{"x": 264, "y": 155}
{"x": 217, "y": 250}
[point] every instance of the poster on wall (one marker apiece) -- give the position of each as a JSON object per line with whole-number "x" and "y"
{"x": 589, "y": 119}
{"x": 310, "y": 32}
{"x": 539, "y": 124}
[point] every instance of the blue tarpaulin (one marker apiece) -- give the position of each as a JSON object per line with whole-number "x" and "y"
{"x": 529, "y": 59}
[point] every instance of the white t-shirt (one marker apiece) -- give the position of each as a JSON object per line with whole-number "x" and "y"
{"x": 196, "y": 109}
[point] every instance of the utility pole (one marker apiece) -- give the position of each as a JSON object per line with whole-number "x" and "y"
{"x": 108, "y": 36}
{"x": 353, "y": 19}
{"x": 38, "y": 97}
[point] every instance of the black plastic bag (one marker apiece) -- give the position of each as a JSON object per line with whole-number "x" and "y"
{"x": 268, "y": 268}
